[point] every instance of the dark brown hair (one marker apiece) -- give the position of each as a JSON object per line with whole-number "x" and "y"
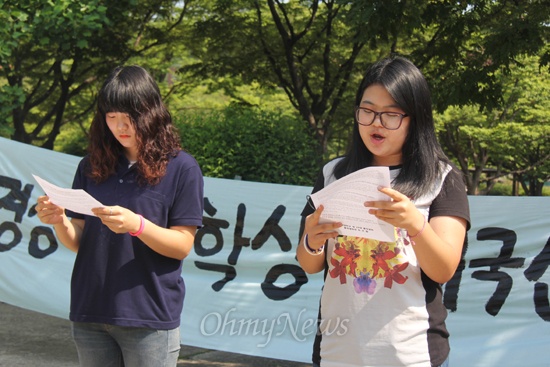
{"x": 132, "y": 90}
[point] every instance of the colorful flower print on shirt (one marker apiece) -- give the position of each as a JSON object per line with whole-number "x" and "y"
{"x": 364, "y": 283}
{"x": 366, "y": 261}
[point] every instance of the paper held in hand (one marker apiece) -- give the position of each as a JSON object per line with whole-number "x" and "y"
{"x": 78, "y": 201}
{"x": 343, "y": 202}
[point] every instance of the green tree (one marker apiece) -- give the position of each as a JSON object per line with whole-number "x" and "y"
{"x": 303, "y": 48}
{"x": 513, "y": 138}
{"x": 526, "y": 149}
{"x": 53, "y": 52}
{"x": 316, "y": 51}
{"x": 462, "y": 46}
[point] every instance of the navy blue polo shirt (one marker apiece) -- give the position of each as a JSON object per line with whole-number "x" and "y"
{"x": 116, "y": 278}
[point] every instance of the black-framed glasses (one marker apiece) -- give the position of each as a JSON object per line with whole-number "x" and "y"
{"x": 390, "y": 120}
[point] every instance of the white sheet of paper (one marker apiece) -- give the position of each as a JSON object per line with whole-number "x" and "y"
{"x": 78, "y": 201}
{"x": 343, "y": 202}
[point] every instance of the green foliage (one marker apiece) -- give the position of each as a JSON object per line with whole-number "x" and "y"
{"x": 53, "y": 55}
{"x": 501, "y": 189}
{"x": 11, "y": 97}
{"x": 524, "y": 150}
{"x": 317, "y": 51}
{"x": 5, "y": 131}
{"x": 42, "y": 47}
{"x": 511, "y": 139}
{"x": 464, "y": 46}
{"x": 288, "y": 58}
{"x": 307, "y": 49}
{"x": 505, "y": 188}
{"x": 250, "y": 143}
{"x": 72, "y": 140}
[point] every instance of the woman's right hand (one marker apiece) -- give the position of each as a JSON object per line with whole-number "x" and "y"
{"x": 48, "y": 212}
{"x": 318, "y": 233}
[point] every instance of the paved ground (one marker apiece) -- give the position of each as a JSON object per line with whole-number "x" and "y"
{"x": 31, "y": 339}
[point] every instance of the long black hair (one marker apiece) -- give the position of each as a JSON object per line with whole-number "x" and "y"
{"x": 423, "y": 157}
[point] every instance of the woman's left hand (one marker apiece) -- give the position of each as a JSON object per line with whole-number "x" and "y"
{"x": 118, "y": 219}
{"x": 399, "y": 212}
{"x": 439, "y": 249}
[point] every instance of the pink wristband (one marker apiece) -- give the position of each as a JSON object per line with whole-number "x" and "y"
{"x": 141, "y": 227}
{"x": 422, "y": 230}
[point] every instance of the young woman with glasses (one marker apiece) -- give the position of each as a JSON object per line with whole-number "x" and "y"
{"x": 386, "y": 297}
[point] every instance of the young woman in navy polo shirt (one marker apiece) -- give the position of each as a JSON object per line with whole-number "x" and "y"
{"x": 126, "y": 288}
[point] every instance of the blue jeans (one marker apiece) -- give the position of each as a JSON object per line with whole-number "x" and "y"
{"x": 102, "y": 345}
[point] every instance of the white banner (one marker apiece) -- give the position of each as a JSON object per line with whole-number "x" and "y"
{"x": 245, "y": 290}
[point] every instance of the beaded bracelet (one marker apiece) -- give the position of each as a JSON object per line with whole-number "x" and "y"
{"x": 422, "y": 230}
{"x": 141, "y": 227}
{"x": 311, "y": 251}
